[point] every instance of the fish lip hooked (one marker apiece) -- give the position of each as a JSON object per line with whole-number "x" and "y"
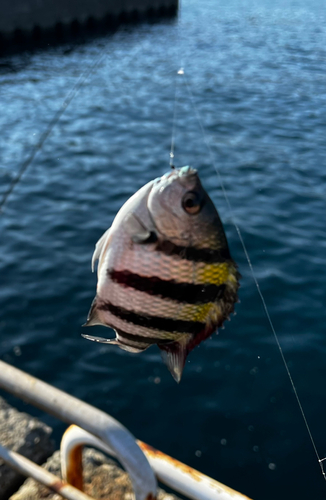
{"x": 181, "y": 174}
{"x": 186, "y": 173}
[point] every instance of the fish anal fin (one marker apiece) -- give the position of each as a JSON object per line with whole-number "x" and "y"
{"x": 174, "y": 356}
{"x": 101, "y": 247}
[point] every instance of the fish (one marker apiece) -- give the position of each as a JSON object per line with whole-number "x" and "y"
{"x": 165, "y": 272}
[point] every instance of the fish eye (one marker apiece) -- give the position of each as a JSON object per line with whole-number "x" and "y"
{"x": 191, "y": 203}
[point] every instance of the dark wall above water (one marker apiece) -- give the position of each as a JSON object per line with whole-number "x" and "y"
{"x": 21, "y": 17}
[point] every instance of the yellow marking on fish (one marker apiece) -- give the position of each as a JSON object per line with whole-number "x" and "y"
{"x": 202, "y": 313}
{"x": 216, "y": 274}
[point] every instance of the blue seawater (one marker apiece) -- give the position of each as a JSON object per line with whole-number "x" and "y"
{"x": 256, "y": 72}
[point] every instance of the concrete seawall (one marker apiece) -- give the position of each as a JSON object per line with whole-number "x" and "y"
{"x": 33, "y": 16}
{"x": 30, "y": 437}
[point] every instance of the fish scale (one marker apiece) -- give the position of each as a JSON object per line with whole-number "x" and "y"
{"x": 165, "y": 273}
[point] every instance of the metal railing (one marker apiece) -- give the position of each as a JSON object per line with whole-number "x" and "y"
{"x": 73, "y": 411}
{"x": 29, "y": 469}
{"x": 171, "y": 472}
{"x": 96, "y": 428}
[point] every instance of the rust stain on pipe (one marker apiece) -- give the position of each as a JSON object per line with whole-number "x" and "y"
{"x": 57, "y": 486}
{"x": 75, "y": 468}
{"x": 197, "y": 476}
{"x": 186, "y": 469}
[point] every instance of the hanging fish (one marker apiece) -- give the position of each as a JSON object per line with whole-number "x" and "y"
{"x": 165, "y": 273}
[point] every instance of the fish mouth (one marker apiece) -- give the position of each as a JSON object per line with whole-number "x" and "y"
{"x": 186, "y": 176}
{"x": 183, "y": 172}
{"x": 187, "y": 171}
{"x": 189, "y": 179}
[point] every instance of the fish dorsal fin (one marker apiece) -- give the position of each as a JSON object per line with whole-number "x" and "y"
{"x": 174, "y": 356}
{"x": 138, "y": 232}
{"x": 101, "y": 246}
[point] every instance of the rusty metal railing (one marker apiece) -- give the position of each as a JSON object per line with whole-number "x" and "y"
{"x": 95, "y": 428}
{"x": 171, "y": 472}
{"x": 73, "y": 411}
{"x": 29, "y": 469}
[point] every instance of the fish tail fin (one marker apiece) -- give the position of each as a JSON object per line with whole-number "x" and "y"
{"x": 174, "y": 356}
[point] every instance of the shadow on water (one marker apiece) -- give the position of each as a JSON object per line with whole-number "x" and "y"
{"x": 68, "y": 35}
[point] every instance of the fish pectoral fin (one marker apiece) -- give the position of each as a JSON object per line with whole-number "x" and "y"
{"x": 102, "y": 340}
{"x": 138, "y": 232}
{"x": 174, "y": 356}
{"x": 101, "y": 246}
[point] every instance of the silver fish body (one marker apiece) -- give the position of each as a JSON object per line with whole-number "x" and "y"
{"x": 165, "y": 274}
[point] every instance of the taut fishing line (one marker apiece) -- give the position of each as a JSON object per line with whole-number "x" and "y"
{"x": 182, "y": 74}
{"x": 69, "y": 97}
{"x": 173, "y": 125}
{"x": 179, "y": 72}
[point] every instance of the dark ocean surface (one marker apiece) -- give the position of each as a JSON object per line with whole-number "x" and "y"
{"x": 257, "y": 74}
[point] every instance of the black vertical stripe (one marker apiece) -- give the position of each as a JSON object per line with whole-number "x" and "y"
{"x": 206, "y": 255}
{"x": 170, "y": 289}
{"x": 152, "y": 322}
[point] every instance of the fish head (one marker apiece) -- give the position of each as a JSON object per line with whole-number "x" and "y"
{"x": 183, "y": 212}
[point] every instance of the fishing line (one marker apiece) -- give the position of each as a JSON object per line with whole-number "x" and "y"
{"x": 71, "y": 94}
{"x": 205, "y": 135}
{"x": 176, "y": 98}
{"x": 173, "y": 125}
